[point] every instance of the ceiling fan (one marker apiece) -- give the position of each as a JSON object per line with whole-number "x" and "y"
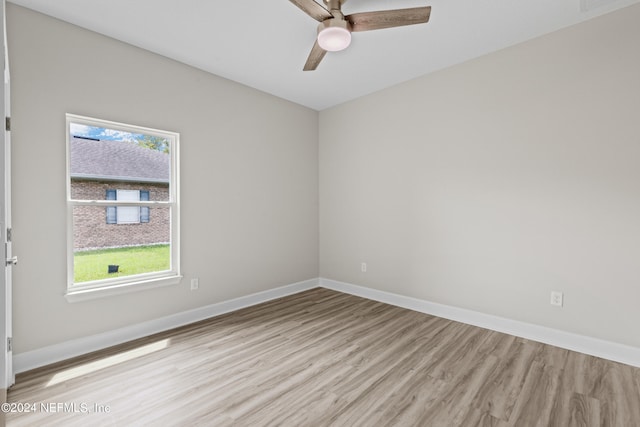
{"x": 334, "y": 31}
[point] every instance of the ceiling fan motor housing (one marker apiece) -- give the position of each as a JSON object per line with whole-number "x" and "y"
{"x": 334, "y": 23}
{"x": 334, "y": 34}
{"x": 334, "y": 4}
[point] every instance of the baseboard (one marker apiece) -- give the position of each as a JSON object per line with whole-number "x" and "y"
{"x": 583, "y": 344}
{"x": 44, "y": 356}
{"x": 600, "y": 348}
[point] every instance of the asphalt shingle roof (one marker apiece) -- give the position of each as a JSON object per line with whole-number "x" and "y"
{"x": 117, "y": 160}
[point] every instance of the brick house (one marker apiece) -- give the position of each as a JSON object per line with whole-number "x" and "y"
{"x": 117, "y": 170}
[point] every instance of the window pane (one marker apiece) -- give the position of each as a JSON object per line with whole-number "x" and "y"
{"x": 134, "y": 248}
{"x": 103, "y": 159}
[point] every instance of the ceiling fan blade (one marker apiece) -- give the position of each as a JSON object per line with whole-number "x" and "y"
{"x": 313, "y": 9}
{"x": 316, "y": 55}
{"x": 367, "y": 21}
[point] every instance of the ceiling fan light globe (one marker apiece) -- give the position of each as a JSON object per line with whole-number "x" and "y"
{"x": 333, "y": 39}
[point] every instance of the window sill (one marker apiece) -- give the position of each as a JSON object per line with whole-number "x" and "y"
{"x": 76, "y": 295}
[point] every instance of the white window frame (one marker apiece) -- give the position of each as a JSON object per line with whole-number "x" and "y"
{"x": 118, "y": 285}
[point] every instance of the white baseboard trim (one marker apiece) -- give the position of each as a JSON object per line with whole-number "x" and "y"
{"x": 570, "y": 341}
{"x": 54, "y": 353}
{"x": 596, "y": 347}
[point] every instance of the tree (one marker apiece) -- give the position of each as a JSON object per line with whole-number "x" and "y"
{"x": 153, "y": 142}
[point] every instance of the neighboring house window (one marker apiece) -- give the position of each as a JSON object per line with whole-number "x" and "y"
{"x": 127, "y": 214}
{"x": 144, "y": 210}
{"x": 121, "y": 172}
{"x": 112, "y": 211}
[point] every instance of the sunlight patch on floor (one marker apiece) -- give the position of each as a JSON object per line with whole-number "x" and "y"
{"x": 87, "y": 368}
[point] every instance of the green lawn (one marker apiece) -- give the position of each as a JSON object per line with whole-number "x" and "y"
{"x": 94, "y": 265}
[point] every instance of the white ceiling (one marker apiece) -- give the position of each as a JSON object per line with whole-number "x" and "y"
{"x": 264, "y": 44}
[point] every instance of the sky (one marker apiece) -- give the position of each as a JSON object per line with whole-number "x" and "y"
{"x": 102, "y": 133}
{"x": 106, "y": 134}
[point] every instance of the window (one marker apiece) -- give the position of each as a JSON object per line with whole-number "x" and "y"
{"x": 127, "y": 214}
{"x": 123, "y": 210}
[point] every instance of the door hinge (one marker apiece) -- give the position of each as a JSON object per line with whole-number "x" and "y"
{"x": 8, "y": 234}
{"x": 9, "y": 344}
{"x": 7, "y": 123}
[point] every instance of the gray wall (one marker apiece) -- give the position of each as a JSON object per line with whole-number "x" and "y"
{"x": 489, "y": 184}
{"x": 249, "y": 170}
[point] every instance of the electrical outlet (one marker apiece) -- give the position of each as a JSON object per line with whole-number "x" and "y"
{"x": 363, "y": 267}
{"x": 556, "y": 298}
{"x": 195, "y": 284}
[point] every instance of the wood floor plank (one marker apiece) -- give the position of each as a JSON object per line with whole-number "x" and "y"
{"x": 457, "y": 356}
{"x": 499, "y": 393}
{"x": 411, "y": 402}
{"x": 455, "y": 401}
{"x": 323, "y": 358}
{"x": 536, "y": 399}
{"x": 372, "y": 399}
{"x": 478, "y": 418}
{"x": 583, "y": 411}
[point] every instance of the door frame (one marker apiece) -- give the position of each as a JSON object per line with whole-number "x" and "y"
{"x": 7, "y": 377}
